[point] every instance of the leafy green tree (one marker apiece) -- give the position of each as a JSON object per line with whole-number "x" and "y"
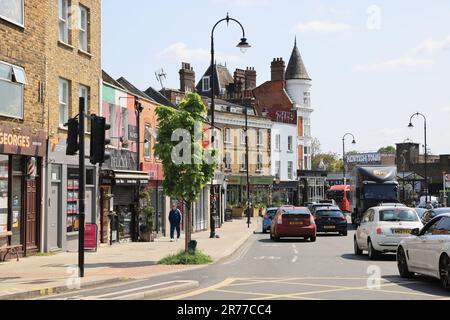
{"x": 188, "y": 165}
{"x": 332, "y": 162}
{"x": 388, "y": 150}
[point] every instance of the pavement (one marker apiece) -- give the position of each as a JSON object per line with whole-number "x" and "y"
{"x": 41, "y": 276}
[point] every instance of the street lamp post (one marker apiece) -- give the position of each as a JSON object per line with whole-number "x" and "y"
{"x": 247, "y": 166}
{"x": 243, "y": 45}
{"x": 426, "y": 148}
{"x": 344, "y": 158}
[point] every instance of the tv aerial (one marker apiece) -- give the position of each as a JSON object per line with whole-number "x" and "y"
{"x": 160, "y": 75}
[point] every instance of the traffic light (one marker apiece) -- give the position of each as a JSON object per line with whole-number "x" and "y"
{"x": 98, "y": 140}
{"x": 73, "y": 145}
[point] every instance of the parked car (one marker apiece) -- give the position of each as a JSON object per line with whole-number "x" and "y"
{"x": 433, "y": 213}
{"x": 392, "y": 204}
{"x": 268, "y": 217}
{"x": 331, "y": 219}
{"x": 383, "y": 228}
{"x": 293, "y": 222}
{"x": 427, "y": 252}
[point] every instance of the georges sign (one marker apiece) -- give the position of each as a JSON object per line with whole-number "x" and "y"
{"x": 364, "y": 158}
{"x": 24, "y": 142}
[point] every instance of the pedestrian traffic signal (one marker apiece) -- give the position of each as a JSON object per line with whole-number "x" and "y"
{"x": 73, "y": 145}
{"x": 99, "y": 142}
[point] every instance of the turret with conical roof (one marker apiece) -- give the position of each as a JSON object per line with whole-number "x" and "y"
{"x": 296, "y": 68}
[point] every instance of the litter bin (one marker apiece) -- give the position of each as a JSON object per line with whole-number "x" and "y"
{"x": 192, "y": 246}
{"x": 228, "y": 215}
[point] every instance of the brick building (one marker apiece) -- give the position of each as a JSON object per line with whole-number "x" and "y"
{"x": 23, "y": 121}
{"x": 73, "y": 70}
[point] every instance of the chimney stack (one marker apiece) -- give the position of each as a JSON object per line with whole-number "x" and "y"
{"x": 239, "y": 80}
{"x": 278, "y": 69}
{"x": 250, "y": 79}
{"x": 187, "y": 78}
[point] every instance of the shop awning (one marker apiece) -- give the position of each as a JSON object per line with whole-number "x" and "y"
{"x": 131, "y": 177}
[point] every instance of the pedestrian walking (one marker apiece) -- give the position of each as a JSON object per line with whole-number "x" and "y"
{"x": 175, "y": 221}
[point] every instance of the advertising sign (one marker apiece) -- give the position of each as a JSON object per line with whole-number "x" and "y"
{"x": 447, "y": 181}
{"x": 90, "y": 237}
{"x": 363, "y": 158}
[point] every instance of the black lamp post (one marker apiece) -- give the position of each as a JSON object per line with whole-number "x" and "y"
{"x": 344, "y": 158}
{"x": 426, "y": 147}
{"x": 247, "y": 167}
{"x": 243, "y": 45}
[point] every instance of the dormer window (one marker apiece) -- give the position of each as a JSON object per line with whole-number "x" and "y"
{"x": 206, "y": 84}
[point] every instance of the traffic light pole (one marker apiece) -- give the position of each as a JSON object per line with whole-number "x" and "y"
{"x": 82, "y": 188}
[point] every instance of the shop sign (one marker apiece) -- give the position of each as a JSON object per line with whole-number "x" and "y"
{"x": 24, "y": 142}
{"x": 364, "y": 158}
{"x": 447, "y": 181}
{"x": 90, "y": 237}
{"x": 121, "y": 160}
{"x": 133, "y": 134}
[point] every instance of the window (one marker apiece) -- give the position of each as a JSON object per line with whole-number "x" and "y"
{"x": 148, "y": 139}
{"x": 73, "y": 222}
{"x": 12, "y": 11}
{"x": 243, "y": 162}
{"x": 227, "y": 138}
{"x": 307, "y": 159}
{"x": 259, "y": 164}
{"x": 290, "y": 144}
{"x": 306, "y": 127}
{"x": 227, "y": 161}
{"x": 63, "y": 7}
{"x": 278, "y": 169}
{"x": 63, "y": 102}
{"x": 243, "y": 135}
{"x": 12, "y": 81}
{"x": 4, "y": 192}
{"x": 260, "y": 139}
{"x": 124, "y": 130}
{"x": 307, "y": 99}
{"x": 83, "y": 25}
{"x": 290, "y": 170}
{"x": 432, "y": 229}
{"x": 112, "y": 121}
{"x": 177, "y": 100}
{"x": 206, "y": 82}
{"x": 84, "y": 93}
{"x": 278, "y": 142}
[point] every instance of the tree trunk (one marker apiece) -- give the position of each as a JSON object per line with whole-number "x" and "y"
{"x": 187, "y": 228}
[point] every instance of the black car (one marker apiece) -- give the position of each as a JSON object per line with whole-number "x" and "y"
{"x": 432, "y": 213}
{"x": 331, "y": 219}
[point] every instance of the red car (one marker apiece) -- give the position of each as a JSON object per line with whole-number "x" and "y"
{"x": 293, "y": 222}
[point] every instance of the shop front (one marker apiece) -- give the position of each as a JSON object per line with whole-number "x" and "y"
{"x": 159, "y": 201}
{"x": 287, "y": 191}
{"x": 61, "y": 223}
{"x": 120, "y": 185}
{"x": 312, "y": 186}
{"x": 21, "y": 157}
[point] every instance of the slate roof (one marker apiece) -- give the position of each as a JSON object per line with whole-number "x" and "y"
{"x": 108, "y": 79}
{"x": 158, "y": 97}
{"x": 296, "y": 68}
{"x": 223, "y": 79}
{"x": 128, "y": 86}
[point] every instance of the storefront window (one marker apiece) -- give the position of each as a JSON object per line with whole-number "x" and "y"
{"x": 3, "y": 193}
{"x": 16, "y": 222}
{"x": 73, "y": 223}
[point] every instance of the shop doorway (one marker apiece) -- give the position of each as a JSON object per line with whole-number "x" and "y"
{"x": 54, "y": 218}
{"x": 31, "y": 215}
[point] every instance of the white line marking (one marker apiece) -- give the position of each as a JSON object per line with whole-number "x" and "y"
{"x": 138, "y": 289}
{"x": 295, "y": 259}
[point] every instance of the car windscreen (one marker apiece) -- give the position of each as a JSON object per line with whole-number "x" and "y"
{"x": 397, "y": 215}
{"x": 329, "y": 213}
{"x": 442, "y": 211}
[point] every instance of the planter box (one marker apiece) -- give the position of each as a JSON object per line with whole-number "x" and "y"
{"x": 148, "y": 237}
{"x": 238, "y": 213}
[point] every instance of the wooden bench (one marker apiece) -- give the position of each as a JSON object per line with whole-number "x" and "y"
{"x": 8, "y": 249}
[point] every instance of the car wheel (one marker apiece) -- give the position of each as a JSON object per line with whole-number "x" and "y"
{"x": 444, "y": 271}
{"x": 373, "y": 254}
{"x": 358, "y": 251}
{"x": 313, "y": 239}
{"x": 402, "y": 264}
{"x": 277, "y": 239}
{"x": 264, "y": 230}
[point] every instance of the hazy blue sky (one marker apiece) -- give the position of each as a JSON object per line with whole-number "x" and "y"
{"x": 373, "y": 63}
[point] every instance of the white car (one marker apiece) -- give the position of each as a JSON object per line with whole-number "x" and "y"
{"x": 427, "y": 252}
{"x": 383, "y": 228}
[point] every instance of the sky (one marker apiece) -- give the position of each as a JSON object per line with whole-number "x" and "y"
{"x": 373, "y": 63}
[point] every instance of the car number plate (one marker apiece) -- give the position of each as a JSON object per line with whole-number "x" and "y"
{"x": 330, "y": 227}
{"x": 296, "y": 223}
{"x": 402, "y": 231}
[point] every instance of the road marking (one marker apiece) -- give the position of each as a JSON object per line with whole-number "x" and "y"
{"x": 295, "y": 259}
{"x": 124, "y": 292}
{"x": 267, "y": 258}
{"x": 222, "y": 284}
{"x": 243, "y": 252}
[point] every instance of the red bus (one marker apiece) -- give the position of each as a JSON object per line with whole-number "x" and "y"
{"x": 341, "y": 195}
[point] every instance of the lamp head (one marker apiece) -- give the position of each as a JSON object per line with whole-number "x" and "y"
{"x": 354, "y": 141}
{"x": 410, "y": 125}
{"x": 244, "y": 45}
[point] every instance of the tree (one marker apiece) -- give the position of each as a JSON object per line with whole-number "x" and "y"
{"x": 188, "y": 165}
{"x": 388, "y": 150}
{"x": 332, "y": 162}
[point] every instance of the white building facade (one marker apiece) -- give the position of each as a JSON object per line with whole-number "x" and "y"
{"x": 284, "y": 151}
